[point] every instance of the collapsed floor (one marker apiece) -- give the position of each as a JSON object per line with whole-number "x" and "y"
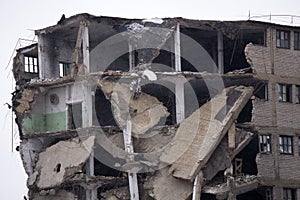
{"x": 200, "y": 147}
{"x": 150, "y": 124}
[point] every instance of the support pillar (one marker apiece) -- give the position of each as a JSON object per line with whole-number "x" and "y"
{"x": 177, "y": 49}
{"x": 86, "y": 48}
{"x": 220, "y": 53}
{"x": 231, "y": 137}
{"x": 87, "y": 120}
{"x": 197, "y": 186}
{"x": 131, "y": 56}
{"x": 180, "y": 105}
{"x": 132, "y": 177}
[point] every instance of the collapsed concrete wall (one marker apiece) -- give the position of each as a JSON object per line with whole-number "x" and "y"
{"x": 210, "y": 129}
{"x": 198, "y": 146}
{"x": 144, "y": 112}
{"x": 59, "y": 162}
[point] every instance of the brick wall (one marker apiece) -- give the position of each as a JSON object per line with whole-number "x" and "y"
{"x": 286, "y": 70}
{"x": 286, "y": 64}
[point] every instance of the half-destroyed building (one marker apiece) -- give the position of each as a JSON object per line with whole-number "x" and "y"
{"x": 113, "y": 108}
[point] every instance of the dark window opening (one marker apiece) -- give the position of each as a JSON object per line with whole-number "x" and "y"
{"x": 234, "y": 56}
{"x": 299, "y": 146}
{"x": 75, "y": 116}
{"x": 205, "y": 196}
{"x": 246, "y": 114}
{"x": 119, "y": 64}
{"x": 198, "y": 50}
{"x": 163, "y": 62}
{"x": 195, "y": 95}
{"x": 286, "y": 144}
{"x": 187, "y": 66}
{"x": 57, "y": 168}
{"x": 103, "y": 115}
{"x": 164, "y": 95}
{"x": 64, "y": 69}
{"x": 254, "y": 194}
{"x": 262, "y": 91}
{"x": 255, "y": 36}
{"x": 283, "y": 39}
{"x": 31, "y": 64}
{"x": 248, "y": 156}
{"x": 289, "y": 194}
{"x": 285, "y": 93}
{"x": 268, "y": 193}
{"x": 297, "y": 94}
{"x": 101, "y": 169}
{"x": 265, "y": 143}
{"x": 297, "y": 40}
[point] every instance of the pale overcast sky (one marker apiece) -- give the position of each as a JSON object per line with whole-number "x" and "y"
{"x": 18, "y": 19}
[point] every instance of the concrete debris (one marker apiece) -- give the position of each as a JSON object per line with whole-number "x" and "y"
{"x": 198, "y": 145}
{"x": 148, "y": 41}
{"x": 69, "y": 158}
{"x": 186, "y": 151}
{"x": 241, "y": 185}
{"x": 145, "y": 112}
{"x": 23, "y": 99}
{"x": 221, "y": 158}
{"x": 154, "y": 20}
{"x": 163, "y": 186}
{"x": 54, "y": 195}
{"x": 121, "y": 193}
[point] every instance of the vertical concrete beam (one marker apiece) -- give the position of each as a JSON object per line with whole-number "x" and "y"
{"x": 277, "y": 193}
{"x": 132, "y": 177}
{"x": 47, "y": 58}
{"x": 220, "y": 53}
{"x": 231, "y": 137}
{"x": 87, "y": 120}
{"x": 131, "y": 56}
{"x": 41, "y": 56}
{"x": 180, "y": 105}
{"x": 85, "y": 47}
{"x": 177, "y": 49}
{"x": 197, "y": 186}
{"x": 44, "y": 58}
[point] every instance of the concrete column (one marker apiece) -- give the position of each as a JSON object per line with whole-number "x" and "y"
{"x": 87, "y": 120}
{"x": 45, "y": 58}
{"x": 131, "y": 57}
{"x": 231, "y": 185}
{"x": 231, "y": 137}
{"x": 197, "y": 186}
{"x": 85, "y": 48}
{"x": 132, "y": 177}
{"x": 180, "y": 105}
{"x": 220, "y": 53}
{"x": 277, "y": 193}
{"x": 177, "y": 49}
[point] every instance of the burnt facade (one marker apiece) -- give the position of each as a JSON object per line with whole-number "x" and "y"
{"x": 113, "y": 108}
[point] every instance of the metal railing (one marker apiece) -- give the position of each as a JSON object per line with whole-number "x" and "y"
{"x": 290, "y": 20}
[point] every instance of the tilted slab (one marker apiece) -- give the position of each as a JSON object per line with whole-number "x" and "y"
{"x": 199, "y": 135}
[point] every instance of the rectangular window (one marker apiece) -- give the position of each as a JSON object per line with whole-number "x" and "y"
{"x": 64, "y": 69}
{"x": 286, "y": 144}
{"x": 297, "y": 93}
{"x": 289, "y": 194}
{"x": 269, "y": 194}
{"x": 285, "y": 93}
{"x": 297, "y": 40}
{"x": 75, "y": 116}
{"x": 283, "y": 39}
{"x": 31, "y": 64}
{"x": 265, "y": 143}
{"x": 262, "y": 91}
{"x": 299, "y": 146}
